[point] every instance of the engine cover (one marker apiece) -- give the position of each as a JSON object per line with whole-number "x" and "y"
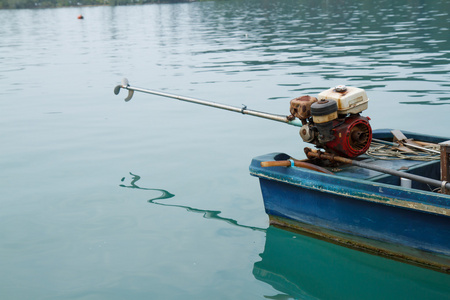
{"x": 352, "y": 137}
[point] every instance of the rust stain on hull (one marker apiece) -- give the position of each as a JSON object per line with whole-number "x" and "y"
{"x": 399, "y": 253}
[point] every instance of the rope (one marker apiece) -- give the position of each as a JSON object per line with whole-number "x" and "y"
{"x": 386, "y": 152}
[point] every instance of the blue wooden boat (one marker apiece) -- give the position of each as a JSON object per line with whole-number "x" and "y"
{"x": 361, "y": 208}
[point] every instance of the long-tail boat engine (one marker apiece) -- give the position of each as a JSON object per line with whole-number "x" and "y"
{"x": 333, "y": 121}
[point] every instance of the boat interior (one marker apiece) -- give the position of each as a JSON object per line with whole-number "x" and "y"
{"x": 383, "y": 154}
{"x": 429, "y": 169}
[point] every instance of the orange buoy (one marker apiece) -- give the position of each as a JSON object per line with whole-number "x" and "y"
{"x": 80, "y": 17}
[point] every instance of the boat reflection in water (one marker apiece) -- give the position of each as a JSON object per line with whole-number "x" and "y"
{"x": 303, "y": 267}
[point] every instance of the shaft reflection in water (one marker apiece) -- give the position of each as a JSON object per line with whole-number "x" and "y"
{"x": 302, "y": 267}
{"x": 207, "y": 214}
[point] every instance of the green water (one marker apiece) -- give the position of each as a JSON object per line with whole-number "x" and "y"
{"x": 152, "y": 199}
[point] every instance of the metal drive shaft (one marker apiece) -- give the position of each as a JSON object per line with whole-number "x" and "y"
{"x": 243, "y": 110}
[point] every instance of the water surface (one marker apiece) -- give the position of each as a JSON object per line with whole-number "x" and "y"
{"x": 75, "y": 223}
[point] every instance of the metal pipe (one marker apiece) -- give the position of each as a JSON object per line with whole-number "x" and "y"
{"x": 433, "y": 182}
{"x": 242, "y": 110}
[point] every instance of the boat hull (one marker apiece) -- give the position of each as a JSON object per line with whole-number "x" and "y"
{"x": 401, "y": 223}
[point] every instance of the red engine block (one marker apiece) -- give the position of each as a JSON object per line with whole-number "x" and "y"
{"x": 352, "y": 137}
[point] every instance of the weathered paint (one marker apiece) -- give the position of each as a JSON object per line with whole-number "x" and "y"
{"x": 328, "y": 185}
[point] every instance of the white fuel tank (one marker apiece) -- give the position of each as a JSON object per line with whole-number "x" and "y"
{"x": 350, "y": 100}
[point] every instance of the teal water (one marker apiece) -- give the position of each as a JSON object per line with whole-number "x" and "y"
{"x": 152, "y": 199}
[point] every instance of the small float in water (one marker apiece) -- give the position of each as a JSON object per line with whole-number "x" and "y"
{"x": 381, "y": 191}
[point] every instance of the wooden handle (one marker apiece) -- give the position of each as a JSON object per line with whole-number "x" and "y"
{"x": 297, "y": 163}
{"x": 280, "y": 163}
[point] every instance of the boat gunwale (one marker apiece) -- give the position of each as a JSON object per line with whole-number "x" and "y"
{"x": 368, "y": 196}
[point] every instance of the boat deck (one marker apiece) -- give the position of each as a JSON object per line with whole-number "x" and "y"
{"x": 430, "y": 169}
